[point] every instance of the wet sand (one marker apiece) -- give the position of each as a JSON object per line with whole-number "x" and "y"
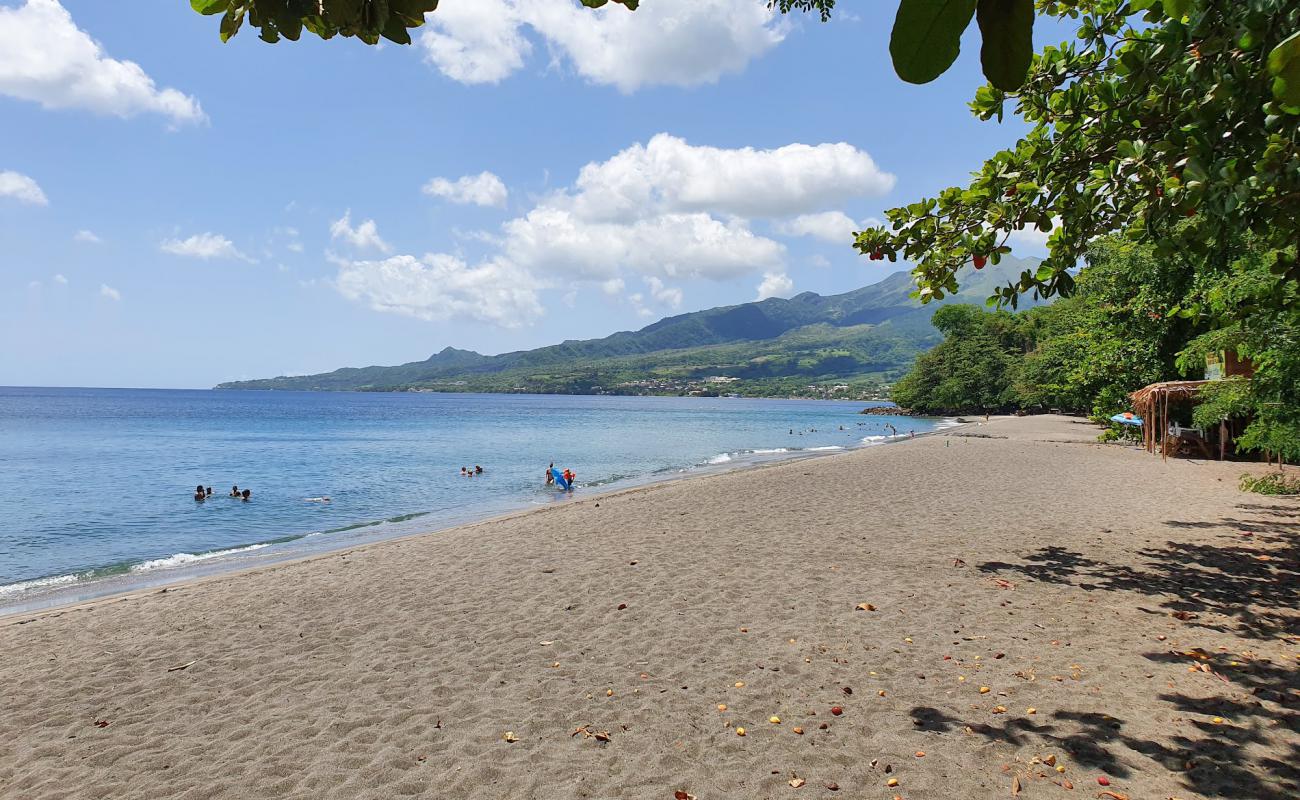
{"x": 1132, "y": 620}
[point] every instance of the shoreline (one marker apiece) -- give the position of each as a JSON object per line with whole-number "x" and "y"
{"x": 74, "y": 590}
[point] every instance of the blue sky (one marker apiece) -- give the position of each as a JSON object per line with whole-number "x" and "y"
{"x": 526, "y": 172}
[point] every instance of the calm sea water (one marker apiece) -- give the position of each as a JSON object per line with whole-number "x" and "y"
{"x": 98, "y": 484}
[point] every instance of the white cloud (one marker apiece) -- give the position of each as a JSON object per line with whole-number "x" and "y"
{"x": 362, "y": 236}
{"x": 667, "y": 295}
{"x": 831, "y": 226}
{"x": 294, "y": 247}
{"x": 666, "y": 42}
{"x": 60, "y": 279}
{"x": 775, "y": 284}
{"x": 483, "y": 189}
{"x": 669, "y": 245}
{"x": 86, "y": 236}
{"x": 669, "y": 172}
{"x": 659, "y": 213}
{"x": 34, "y": 285}
{"x": 45, "y": 58}
{"x": 1030, "y": 239}
{"x": 17, "y": 185}
{"x": 108, "y": 291}
{"x": 440, "y": 286}
{"x": 203, "y": 245}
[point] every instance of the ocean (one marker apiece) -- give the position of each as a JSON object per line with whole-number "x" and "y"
{"x": 97, "y": 485}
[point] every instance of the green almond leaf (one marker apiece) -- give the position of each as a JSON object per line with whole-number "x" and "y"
{"x": 1178, "y": 8}
{"x": 210, "y": 7}
{"x": 1284, "y": 65}
{"x": 927, "y": 37}
{"x": 1008, "y": 30}
{"x": 230, "y": 24}
{"x": 343, "y": 13}
{"x": 395, "y": 31}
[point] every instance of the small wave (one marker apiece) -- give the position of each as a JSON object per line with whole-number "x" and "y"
{"x": 189, "y": 558}
{"x": 12, "y": 589}
{"x": 770, "y": 451}
{"x": 823, "y": 449}
{"x": 721, "y": 458}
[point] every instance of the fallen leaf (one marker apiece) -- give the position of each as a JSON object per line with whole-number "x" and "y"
{"x": 622, "y": 606}
{"x": 740, "y": 731}
{"x": 102, "y": 723}
{"x": 799, "y": 731}
{"x": 999, "y": 709}
{"x": 797, "y": 782}
{"x": 833, "y": 786}
{"x": 509, "y": 736}
{"x": 722, "y": 706}
{"x": 1015, "y": 786}
{"x": 740, "y": 684}
{"x": 846, "y": 690}
{"x": 920, "y": 754}
{"x": 836, "y": 711}
{"x": 1031, "y": 710}
{"x": 892, "y": 782}
{"x": 680, "y": 795}
{"x": 183, "y": 666}
{"x": 1050, "y": 761}
{"x": 1183, "y": 615}
{"x": 1103, "y": 780}
{"x": 985, "y": 690}
{"x": 864, "y": 607}
{"x": 1115, "y": 795}
{"x": 774, "y": 719}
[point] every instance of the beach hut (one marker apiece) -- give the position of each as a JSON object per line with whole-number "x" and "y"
{"x": 1153, "y": 403}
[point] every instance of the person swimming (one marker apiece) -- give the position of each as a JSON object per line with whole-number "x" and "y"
{"x": 247, "y": 493}
{"x": 478, "y": 470}
{"x": 463, "y": 472}
{"x": 550, "y": 474}
{"x": 208, "y": 491}
{"x": 569, "y": 476}
{"x": 199, "y": 496}
{"x": 234, "y": 491}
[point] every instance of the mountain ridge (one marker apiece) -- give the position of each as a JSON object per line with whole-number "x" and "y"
{"x": 872, "y": 330}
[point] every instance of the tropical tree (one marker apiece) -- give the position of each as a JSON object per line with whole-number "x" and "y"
{"x": 1171, "y": 121}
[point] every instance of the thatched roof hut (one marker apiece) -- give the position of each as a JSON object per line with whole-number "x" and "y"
{"x": 1152, "y": 402}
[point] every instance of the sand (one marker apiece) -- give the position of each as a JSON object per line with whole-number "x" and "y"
{"x": 1018, "y": 556}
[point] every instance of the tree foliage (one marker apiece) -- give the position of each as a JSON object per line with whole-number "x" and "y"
{"x": 1173, "y": 115}
{"x": 1088, "y": 352}
{"x": 926, "y": 34}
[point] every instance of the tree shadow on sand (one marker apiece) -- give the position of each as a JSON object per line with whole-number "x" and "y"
{"x": 1247, "y": 585}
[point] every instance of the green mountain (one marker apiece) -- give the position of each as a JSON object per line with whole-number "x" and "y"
{"x": 861, "y": 338}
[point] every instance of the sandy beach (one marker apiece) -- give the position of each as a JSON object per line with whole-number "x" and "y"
{"x": 999, "y": 610}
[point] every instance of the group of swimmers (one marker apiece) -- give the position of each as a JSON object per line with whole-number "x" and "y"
{"x": 466, "y": 472}
{"x": 568, "y": 475}
{"x": 202, "y": 493}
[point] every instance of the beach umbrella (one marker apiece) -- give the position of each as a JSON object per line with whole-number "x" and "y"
{"x": 1127, "y": 418}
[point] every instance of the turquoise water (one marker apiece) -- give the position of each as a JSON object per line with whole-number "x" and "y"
{"x": 99, "y": 483}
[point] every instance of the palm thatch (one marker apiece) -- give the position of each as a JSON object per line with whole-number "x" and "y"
{"x": 1151, "y": 403}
